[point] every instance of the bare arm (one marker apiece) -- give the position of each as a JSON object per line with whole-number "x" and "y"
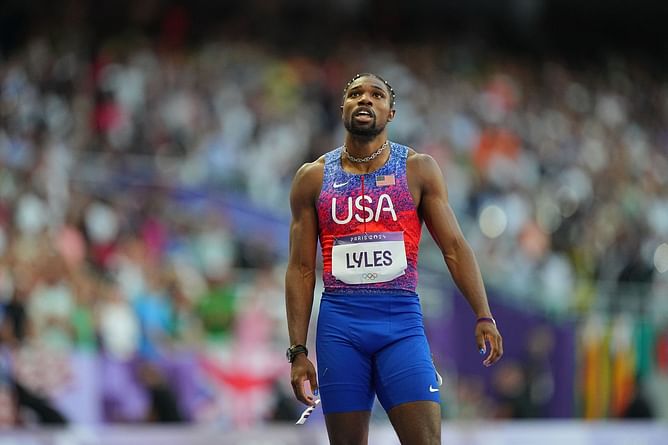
{"x": 458, "y": 255}
{"x": 300, "y": 274}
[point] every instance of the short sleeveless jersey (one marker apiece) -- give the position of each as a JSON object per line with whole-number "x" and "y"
{"x": 369, "y": 228}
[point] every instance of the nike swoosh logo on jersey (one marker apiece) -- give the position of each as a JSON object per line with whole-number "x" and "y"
{"x": 340, "y": 184}
{"x": 432, "y": 389}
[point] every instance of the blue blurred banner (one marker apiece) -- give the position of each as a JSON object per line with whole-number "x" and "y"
{"x": 536, "y": 377}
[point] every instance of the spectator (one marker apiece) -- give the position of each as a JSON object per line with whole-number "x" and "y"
{"x": 116, "y": 157}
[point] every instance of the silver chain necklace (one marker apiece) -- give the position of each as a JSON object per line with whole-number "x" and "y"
{"x": 372, "y": 156}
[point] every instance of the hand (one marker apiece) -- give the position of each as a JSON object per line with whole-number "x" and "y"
{"x": 486, "y": 332}
{"x": 302, "y": 370}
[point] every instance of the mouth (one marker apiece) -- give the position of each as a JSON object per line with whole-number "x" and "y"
{"x": 363, "y": 115}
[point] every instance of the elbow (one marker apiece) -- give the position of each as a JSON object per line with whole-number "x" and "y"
{"x": 455, "y": 245}
{"x": 300, "y": 272}
{"x": 456, "y": 250}
{"x": 307, "y": 274}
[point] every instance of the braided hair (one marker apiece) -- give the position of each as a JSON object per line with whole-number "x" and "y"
{"x": 390, "y": 90}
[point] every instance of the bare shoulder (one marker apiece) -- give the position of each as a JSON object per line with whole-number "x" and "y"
{"x": 422, "y": 165}
{"x": 307, "y": 181}
{"x": 310, "y": 172}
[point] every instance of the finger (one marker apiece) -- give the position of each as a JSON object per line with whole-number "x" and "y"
{"x": 491, "y": 351}
{"x": 480, "y": 340}
{"x": 298, "y": 389}
{"x": 496, "y": 350}
{"x": 499, "y": 347}
{"x": 308, "y": 399}
{"x": 313, "y": 380}
{"x": 295, "y": 388}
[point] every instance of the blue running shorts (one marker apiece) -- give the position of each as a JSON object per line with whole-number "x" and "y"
{"x": 373, "y": 344}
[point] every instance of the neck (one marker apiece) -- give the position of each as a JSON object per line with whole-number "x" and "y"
{"x": 361, "y": 147}
{"x": 367, "y": 157}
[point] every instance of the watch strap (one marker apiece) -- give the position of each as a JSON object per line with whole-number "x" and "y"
{"x": 294, "y": 350}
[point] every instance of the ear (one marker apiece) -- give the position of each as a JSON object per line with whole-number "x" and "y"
{"x": 391, "y": 115}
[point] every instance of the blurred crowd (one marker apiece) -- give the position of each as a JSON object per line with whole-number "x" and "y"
{"x": 556, "y": 173}
{"x": 565, "y": 163}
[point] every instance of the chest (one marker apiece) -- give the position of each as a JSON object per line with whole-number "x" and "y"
{"x": 347, "y": 199}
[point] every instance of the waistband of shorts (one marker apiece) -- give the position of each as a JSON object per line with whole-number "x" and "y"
{"x": 367, "y": 291}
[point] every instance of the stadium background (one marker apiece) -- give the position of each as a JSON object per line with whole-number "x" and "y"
{"x": 147, "y": 149}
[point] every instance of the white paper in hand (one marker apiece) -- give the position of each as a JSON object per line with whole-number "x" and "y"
{"x": 307, "y": 412}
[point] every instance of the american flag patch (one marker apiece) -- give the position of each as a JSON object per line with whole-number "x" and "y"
{"x": 384, "y": 180}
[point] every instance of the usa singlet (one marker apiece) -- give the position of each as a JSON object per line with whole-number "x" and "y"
{"x": 370, "y": 336}
{"x": 369, "y": 227}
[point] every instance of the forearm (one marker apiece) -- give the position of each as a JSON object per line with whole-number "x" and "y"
{"x": 299, "y": 287}
{"x": 464, "y": 269}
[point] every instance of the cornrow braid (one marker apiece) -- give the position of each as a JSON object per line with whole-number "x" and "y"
{"x": 390, "y": 90}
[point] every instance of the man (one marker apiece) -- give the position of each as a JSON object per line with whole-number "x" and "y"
{"x": 365, "y": 202}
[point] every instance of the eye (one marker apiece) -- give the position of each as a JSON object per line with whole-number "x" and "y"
{"x": 353, "y": 94}
{"x": 379, "y": 95}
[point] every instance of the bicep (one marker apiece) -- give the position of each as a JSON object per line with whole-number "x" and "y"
{"x": 435, "y": 208}
{"x": 304, "y": 223}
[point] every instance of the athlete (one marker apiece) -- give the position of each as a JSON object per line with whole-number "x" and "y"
{"x": 365, "y": 202}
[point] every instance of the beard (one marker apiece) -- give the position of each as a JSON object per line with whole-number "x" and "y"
{"x": 363, "y": 131}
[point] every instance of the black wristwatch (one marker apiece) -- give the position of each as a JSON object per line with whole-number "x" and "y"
{"x": 294, "y": 350}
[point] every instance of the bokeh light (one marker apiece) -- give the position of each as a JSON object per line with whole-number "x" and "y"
{"x": 493, "y": 221}
{"x": 661, "y": 258}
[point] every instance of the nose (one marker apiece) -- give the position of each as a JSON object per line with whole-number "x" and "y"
{"x": 364, "y": 99}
